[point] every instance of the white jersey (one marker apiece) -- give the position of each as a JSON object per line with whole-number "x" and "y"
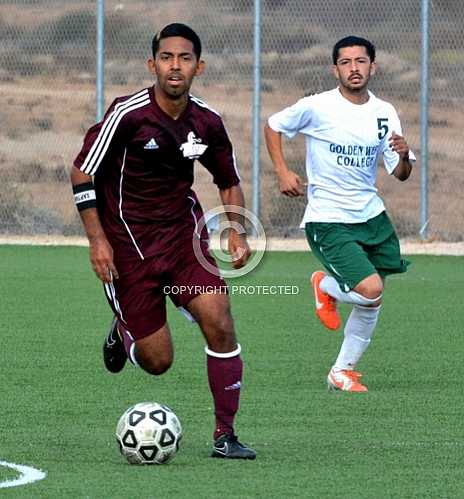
{"x": 343, "y": 143}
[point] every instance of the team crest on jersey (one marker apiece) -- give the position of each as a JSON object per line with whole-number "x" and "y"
{"x": 193, "y": 148}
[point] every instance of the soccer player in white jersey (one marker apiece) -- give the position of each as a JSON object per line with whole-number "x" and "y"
{"x": 347, "y": 130}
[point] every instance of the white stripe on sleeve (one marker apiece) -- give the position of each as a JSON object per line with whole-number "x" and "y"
{"x": 103, "y": 140}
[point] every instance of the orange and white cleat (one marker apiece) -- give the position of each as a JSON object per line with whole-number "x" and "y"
{"x": 326, "y": 305}
{"x": 345, "y": 380}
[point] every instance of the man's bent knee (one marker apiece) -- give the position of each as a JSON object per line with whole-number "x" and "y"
{"x": 154, "y": 365}
{"x": 155, "y": 353}
{"x": 157, "y": 368}
{"x": 371, "y": 288}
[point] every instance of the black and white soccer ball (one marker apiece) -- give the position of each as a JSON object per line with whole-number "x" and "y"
{"x": 148, "y": 433}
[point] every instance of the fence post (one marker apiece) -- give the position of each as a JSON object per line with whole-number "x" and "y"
{"x": 100, "y": 77}
{"x": 256, "y": 109}
{"x": 424, "y": 119}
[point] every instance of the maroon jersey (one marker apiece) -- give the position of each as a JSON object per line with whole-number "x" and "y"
{"x": 142, "y": 162}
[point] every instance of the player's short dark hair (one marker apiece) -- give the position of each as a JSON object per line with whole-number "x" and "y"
{"x": 177, "y": 29}
{"x": 353, "y": 41}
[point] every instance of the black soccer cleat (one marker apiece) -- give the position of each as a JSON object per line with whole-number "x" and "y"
{"x": 228, "y": 447}
{"x": 114, "y": 353}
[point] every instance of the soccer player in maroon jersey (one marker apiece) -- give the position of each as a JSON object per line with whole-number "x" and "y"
{"x": 132, "y": 186}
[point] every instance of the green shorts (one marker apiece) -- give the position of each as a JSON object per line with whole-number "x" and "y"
{"x": 352, "y": 252}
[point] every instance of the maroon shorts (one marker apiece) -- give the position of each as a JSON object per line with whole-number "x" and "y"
{"x": 138, "y": 297}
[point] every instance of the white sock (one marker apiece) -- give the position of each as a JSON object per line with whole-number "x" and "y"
{"x": 330, "y": 286}
{"x": 358, "y": 332}
{"x": 132, "y": 357}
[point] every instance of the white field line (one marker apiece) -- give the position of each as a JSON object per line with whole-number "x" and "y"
{"x": 27, "y": 475}
{"x": 408, "y": 247}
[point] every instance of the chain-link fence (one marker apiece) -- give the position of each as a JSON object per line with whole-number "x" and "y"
{"x": 47, "y": 77}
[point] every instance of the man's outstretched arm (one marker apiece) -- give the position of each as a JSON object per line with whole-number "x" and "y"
{"x": 101, "y": 253}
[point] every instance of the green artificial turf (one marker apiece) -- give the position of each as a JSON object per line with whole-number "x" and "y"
{"x": 404, "y": 438}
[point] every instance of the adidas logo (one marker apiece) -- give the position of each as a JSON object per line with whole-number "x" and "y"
{"x": 151, "y": 144}
{"x": 235, "y": 386}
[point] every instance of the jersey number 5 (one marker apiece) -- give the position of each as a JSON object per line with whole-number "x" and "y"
{"x": 382, "y": 127}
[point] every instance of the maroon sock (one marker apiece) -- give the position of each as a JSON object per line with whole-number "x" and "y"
{"x": 127, "y": 339}
{"x": 225, "y": 378}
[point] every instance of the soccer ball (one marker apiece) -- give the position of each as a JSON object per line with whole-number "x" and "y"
{"x": 148, "y": 433}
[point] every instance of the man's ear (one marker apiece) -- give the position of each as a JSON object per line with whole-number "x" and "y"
{"x": 373, "y": 69}
{"x": 200, "y": 67}
{"x": 151, "y": 66}
{"x": 335, "y": 71}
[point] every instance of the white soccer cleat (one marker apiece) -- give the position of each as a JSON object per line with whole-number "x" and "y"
{"x": 345, "y": 380}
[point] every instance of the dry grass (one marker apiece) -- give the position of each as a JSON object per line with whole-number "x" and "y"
{"x": 45, "y": 114}
{"x": 43, "y": 130}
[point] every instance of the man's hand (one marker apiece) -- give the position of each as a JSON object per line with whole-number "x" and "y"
{"x": 101, "y": 258}
{"x": 239, "y": 249}
{"x": 403, "y": 168}
{"x": 238, "y": 246}
{"x": 291, "y": 184}
{"x": 399, "y": 145}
